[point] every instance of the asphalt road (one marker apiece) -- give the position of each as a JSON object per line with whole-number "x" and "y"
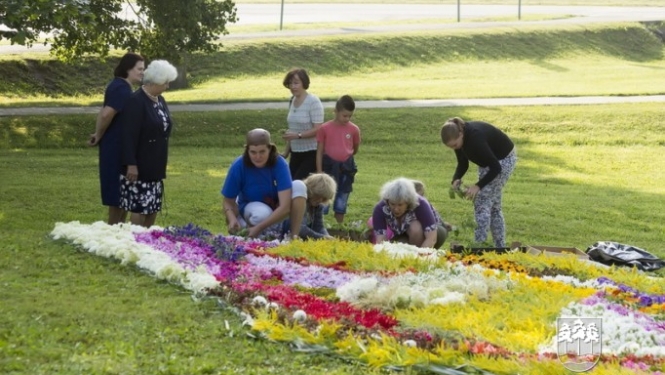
{"x": 490, "y": 102}
{"x": 251, "y": 14}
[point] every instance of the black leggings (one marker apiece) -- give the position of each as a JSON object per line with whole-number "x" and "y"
{"x": 302, "y": 164}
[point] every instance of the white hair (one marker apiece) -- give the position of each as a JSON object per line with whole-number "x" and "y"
{"x": 400, "y": 190}
{"x": 160, "y": 72}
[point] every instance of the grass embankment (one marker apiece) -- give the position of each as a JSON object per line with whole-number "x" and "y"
{"x": 620, "y": 59}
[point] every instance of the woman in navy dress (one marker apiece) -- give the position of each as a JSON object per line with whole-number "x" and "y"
{"x": 146, "y": 128}
{"x": 107, "y": 135}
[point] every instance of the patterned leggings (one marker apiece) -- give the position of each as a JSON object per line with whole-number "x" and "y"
{"x": 487, "y": 205}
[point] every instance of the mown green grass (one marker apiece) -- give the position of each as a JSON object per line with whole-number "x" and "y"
{"x": 624, "y": 59}
{"x": 585, "y": 173}
{"x": 602, "y": 158}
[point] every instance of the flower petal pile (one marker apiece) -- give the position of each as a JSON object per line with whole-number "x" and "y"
{"x": 397, "y": 306}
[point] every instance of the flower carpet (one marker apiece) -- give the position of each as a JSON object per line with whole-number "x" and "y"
{"x": 395, "y": 306}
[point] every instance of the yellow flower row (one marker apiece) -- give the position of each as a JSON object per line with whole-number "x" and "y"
{"x": 388, "y": 351}
{"x": 582, "y": 270}
{"x": 356, "y": 255}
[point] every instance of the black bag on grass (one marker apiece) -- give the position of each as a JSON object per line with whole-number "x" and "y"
{"x": 612, "y": 253}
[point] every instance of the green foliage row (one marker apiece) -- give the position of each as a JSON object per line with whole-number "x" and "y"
{"x": 160, "y": 28}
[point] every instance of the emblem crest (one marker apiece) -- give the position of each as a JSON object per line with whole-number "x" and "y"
{"x": 579, "y": 342}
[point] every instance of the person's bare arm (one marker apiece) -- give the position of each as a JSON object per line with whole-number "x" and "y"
{"x": 287, "y": 150}
{"x": 230, "y": 208}
{"x": 319, "y": 157}
{"x": 104, "y": 118}
{"x": 430, "y": 239}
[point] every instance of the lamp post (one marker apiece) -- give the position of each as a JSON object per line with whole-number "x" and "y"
{"x": 458, "y": 10}
{"x": 281, "y": 16}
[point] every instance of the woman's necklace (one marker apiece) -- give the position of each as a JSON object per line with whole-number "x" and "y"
{"x": 153, "y": 97}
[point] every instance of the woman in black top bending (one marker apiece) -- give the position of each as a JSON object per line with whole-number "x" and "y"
{"x": 494, "y": 153}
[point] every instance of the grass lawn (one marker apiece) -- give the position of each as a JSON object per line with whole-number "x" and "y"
{"x": 585, "y": 173}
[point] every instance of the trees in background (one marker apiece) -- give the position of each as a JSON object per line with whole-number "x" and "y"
{"x": 158, "y": 29}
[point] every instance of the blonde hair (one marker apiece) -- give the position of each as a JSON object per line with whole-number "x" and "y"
{"x": 452, "y": 129}
{"x": 321, "y": 185}
{"x": 400, "y": 190}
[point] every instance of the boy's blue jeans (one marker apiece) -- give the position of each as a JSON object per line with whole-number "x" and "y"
{"x": 339, "y": 204}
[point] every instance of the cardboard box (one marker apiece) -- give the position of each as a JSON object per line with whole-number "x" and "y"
{"x": 555, "y": 251}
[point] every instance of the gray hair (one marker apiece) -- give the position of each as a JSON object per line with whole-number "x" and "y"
{"x": 400, "y": 190}
{"x": 160, "y": 72}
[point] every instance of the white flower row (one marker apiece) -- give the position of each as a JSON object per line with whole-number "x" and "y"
{"x": 403, "y": 250}
{"x": 570, "y": 280}
{"x": 117, "y": 242}
{"x": 448, "y": 284}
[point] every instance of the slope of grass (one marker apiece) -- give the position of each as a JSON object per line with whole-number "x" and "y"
{"x": 620, "y": 59}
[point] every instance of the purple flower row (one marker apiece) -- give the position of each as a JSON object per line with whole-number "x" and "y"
{"x": 644, "y": 298}
{"x": 291, "y": 273}
{"x": 644, "y": 320}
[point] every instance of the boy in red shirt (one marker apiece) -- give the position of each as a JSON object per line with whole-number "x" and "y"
{"x": 338, "y": 140}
